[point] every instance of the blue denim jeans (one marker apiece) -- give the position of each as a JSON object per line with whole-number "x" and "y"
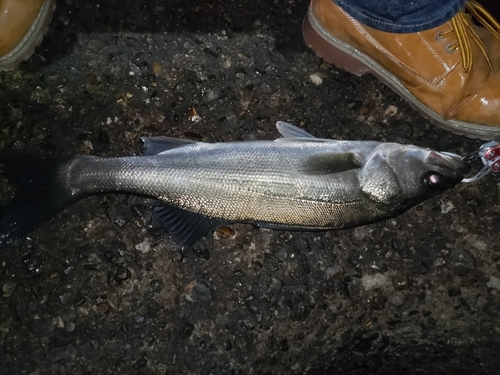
{"x": 401, "y": 16}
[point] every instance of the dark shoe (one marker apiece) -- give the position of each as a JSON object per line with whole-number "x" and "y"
{"x": 452, "y": 78}
{"x": 22, "y": 25}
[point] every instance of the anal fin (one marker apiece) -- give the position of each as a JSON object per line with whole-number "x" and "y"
{"x": 184, "y": 226}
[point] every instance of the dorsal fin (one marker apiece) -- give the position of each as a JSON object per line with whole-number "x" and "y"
{"x": 184, "y": 226}
{"x": 291, "y": 131}
{"x": 308, "y": 140}
{"x": 333, "y": 162}
{"x": 157, "y": 145}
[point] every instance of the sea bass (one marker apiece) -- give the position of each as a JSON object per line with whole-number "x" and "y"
{"x": 297, "y": 182}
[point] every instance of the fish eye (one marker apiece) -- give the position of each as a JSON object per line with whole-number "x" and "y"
{"x": 434, "y": 179}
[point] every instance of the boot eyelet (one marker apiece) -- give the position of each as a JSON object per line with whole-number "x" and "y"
{"x": 450, "y": 48}
{"x": 439, "y": 36}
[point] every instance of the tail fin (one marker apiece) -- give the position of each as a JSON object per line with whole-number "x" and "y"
{"x": 40, "y": 192}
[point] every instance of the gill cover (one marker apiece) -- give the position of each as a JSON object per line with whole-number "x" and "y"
{"x": 377, "y": 178}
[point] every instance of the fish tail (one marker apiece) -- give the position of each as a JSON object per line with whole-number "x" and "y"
{"x": 40, "y": 192}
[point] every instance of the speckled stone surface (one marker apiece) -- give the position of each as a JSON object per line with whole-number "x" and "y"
{"x": 101, "y": 290}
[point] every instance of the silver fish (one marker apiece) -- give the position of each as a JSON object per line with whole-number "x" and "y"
{"x": 297, "y": 182}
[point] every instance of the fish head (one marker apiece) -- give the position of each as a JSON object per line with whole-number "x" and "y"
{"x": 404, "y": 175}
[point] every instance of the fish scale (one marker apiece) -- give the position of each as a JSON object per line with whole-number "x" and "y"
{"x": 297, "y": 182}
{"x": 237, "y": 181}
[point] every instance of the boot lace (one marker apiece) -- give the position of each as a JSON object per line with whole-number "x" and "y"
{"x": 464, "y": 28}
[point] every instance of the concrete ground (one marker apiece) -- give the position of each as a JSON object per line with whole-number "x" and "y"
{"x": 100, "y": 289}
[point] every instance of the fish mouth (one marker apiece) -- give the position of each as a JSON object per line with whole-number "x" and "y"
{"x": 448, "y": 161}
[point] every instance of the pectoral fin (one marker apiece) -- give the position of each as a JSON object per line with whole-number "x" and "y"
{"x": 334, "y": 162}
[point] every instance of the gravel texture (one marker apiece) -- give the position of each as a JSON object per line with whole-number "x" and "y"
{"x": 101, "y": 290}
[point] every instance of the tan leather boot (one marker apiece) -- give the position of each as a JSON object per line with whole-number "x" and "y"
{"x": 22, "y": 25}
{"x": 451, "y": 73}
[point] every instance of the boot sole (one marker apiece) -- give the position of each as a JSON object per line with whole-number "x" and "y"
{"x": 344, "y": 56}
{"x": 31, "y": 40}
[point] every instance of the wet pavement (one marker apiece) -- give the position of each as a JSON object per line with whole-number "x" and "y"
{"x": 101, "y": 290}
